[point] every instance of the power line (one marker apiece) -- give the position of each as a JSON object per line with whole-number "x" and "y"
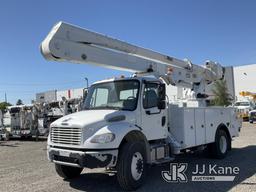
{"x": 40, "y": 84}
{"x": 20, "y": 91}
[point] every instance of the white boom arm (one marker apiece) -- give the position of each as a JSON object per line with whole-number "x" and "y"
{"x": 66, "y": 42}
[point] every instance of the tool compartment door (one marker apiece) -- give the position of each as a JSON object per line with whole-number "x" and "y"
{"x": 189, "y": 127}
{"x": 200, "y": 126}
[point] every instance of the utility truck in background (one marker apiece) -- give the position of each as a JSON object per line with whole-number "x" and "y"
{"x": 51, "y": 111}
{"x": 23, "y": 121}
{"x": 128, "y": 123}
{"x": 246, "y": 105}
{"x": 2, "y": 132}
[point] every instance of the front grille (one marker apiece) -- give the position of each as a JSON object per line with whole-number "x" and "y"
{"x": 66, "y": 135}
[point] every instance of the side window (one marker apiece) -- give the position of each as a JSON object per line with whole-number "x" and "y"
{"x": 100, "y": 97}
{"x": 150, "y": 98}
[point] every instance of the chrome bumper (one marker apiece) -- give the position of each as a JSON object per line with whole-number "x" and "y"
{"x": 77, "y": 158}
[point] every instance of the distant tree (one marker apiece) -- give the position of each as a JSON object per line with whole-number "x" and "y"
{"x": 4, "y": 105}
{"x": 221, "y": 94}
{"x": 19, "y": 102}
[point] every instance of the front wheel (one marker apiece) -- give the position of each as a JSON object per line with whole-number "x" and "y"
{"x": 68, "y": 172}
{"x": 131, "y": 165}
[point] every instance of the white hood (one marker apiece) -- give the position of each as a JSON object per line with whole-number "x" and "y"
{"x": 91, "y": 118}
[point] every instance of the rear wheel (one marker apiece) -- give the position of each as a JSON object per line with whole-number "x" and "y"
{"x": 222, "y": 144}
{"x": 68, "y": 172}
{"x": 7, "y": 136}
{"x": 131, "y": 166}
{"x": 37, "y": 135}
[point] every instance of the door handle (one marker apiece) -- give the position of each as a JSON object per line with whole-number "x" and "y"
{"x": 148, "y": 112}
{"x": 163, "y": 121}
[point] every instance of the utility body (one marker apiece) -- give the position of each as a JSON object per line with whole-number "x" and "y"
{"x": 128, "y": 122}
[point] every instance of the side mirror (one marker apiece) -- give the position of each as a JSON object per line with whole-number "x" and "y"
{"x": 161, "y": 97}
{"x": 161, "y": 104}
{"x": 161, "y": 92}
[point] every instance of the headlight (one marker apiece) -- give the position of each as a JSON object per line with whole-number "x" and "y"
{"x": 103, "y": 138}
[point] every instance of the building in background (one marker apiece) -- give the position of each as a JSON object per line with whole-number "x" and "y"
{"x": 46, "y": 96}
{"x": 55, "y": 95}
{"x": 70, "y": 94}
{"x": 245, "y": 79}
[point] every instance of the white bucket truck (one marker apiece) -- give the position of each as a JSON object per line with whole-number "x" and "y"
{"x": 127, "y": 122}
{"x": 23, "y": 121}
{"x": 1, "y": 126}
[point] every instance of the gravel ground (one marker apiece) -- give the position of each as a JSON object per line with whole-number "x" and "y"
{"x": 24, "y": 167}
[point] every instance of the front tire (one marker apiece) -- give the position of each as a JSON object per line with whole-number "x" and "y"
{"x": 131, "y": 166}
{"x": 222, "y": 144}
{"x": 68, "y": 172}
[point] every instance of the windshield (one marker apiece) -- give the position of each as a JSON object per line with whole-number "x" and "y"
{"x": 242, "y": 104}
{"x": 120, "y": 95}
{"x": 54, "y": 105}
{"x": 15, "y": 110}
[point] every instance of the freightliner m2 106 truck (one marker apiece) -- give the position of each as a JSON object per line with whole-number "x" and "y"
{"x": 127, "y": 122}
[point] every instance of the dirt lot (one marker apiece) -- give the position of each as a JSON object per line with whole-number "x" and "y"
{"x": 24, "y": 167}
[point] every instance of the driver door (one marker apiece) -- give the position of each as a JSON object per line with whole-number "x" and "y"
{"x": 154, "y": 120}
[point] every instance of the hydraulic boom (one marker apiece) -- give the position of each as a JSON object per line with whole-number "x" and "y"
{"x": 66, "y": 42}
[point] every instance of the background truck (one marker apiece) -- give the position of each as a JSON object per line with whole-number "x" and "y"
{"x": 128, "y": 123}
{"x": 23, "y": 121}
{"x": 244, "y": 107}
{"x": 51, "y": 111}
{"x": 252, "y": 116}
{"x": 2, "y": 129}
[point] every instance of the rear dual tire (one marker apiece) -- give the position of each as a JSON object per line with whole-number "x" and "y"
{"x": 220, "y": 147}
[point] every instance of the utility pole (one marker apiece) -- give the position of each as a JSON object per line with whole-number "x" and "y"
{"x": 5, "y": 97}
{"x": 87, "y": 84}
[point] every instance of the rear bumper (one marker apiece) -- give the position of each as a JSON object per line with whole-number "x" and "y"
{"x": 89, "y": 159}
{"x": 244, "y": 115}
{"x": 22, "y": 132}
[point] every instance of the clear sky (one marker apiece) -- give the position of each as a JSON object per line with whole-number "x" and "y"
{"x": 219, "y": 30}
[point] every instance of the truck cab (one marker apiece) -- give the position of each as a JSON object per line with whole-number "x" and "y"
{"x": 113, "y": 108}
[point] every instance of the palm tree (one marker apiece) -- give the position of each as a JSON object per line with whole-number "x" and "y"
{"x": 221, "y": 94}
{"x": 19, "y": 102}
